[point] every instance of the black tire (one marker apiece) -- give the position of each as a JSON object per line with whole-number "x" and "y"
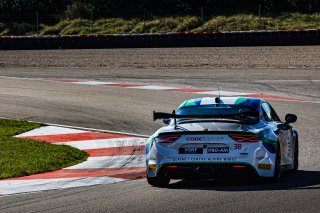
{"x": 296, "y": 156}
{"x": 277, "y": 169}
{"x": 159, "y": 181}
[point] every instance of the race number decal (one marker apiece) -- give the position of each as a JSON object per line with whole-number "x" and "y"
{"x": 237, "y": 146}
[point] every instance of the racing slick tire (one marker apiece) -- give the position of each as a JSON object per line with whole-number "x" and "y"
{"x": 277, "y": 169}
{"x": 160, "y": 181}
{"x": 296, "y": 156}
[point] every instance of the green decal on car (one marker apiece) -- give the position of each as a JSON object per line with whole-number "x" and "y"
{"x": 241, "y": 100}
{"x": 150, "y": 140}
{"x": 190, "y": 103}
{"x": 267, "y": 140}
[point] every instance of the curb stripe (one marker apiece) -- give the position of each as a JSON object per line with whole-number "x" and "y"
{"x": 75, "y": 137}
{"x": 118, "y": 161}
{"x": 123, "y": 85}
{"x": 93, "y": 83}
{"x": 187, "y": 90}
{"x": 128, "y": 150}
{"x": 51, "y": 130}
{"x": 94, "y": 130}
{"x": 131, "y": 176}
{"x": 25, "y": 186}
{"x": 114, "y": 157}
{"x": 153, "y": 87}
{"x": 105, "y": 143}
{"x": 82, "y": 173}
{"x": 65, "y": 81}
{"x": 173, "y": 89}
{"x": 224, "y": 93}
{"x": 274, "y": 97}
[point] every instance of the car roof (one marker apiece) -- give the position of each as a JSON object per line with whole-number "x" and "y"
{"x": 241, "y": 101}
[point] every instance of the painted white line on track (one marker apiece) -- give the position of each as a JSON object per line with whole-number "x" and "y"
{"x": 123, "y": 161}
{"x": 95, "y": 130}
{"x": 150, "y": 87}
{"x": 223, "y": 93}
{"x": 105, "y": 143}
{"x": 50, "y": 130}
{"x": 93, "y": 83}
{"x": 23, "y": 186}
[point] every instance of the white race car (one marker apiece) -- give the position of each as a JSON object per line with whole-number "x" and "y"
{"x": 218, "y": 137}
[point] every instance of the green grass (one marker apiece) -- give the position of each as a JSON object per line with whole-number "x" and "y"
{"x": 19, "y": 157}
{"x": 169, "y": 24}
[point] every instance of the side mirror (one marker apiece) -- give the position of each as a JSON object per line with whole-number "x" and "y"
{"x": 166, "y": 121}
{"x": 290, "y": 118}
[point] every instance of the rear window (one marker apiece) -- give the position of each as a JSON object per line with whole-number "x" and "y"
{"x": 217, "y": 109}
{"x": 242, "y": 114}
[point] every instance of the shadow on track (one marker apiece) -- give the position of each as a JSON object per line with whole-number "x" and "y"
{"x": 299, "y": 180}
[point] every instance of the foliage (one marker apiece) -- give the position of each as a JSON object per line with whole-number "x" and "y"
{"x": 167, "y": 24}
{"x": 177, "y": 24}
{"x": 54, "y": 10}
{"x": 78, "y": 10}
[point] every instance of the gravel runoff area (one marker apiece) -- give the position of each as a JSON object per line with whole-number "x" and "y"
{"x": 305, "y": 57}
{"x": 226, "y": 68}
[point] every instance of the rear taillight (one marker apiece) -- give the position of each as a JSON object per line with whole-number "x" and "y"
{"x": 240, "y": 138}
{"x": 166, "y": 139}
{"x": 239, "y": 167}
{"x": 172, "y": 167}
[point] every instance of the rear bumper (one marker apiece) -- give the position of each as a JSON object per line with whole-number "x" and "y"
{"x": 258, "y": 160}
{"x": 207, "y": 170}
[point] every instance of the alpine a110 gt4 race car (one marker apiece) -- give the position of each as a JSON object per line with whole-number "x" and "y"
{"x": 219, "y": 137}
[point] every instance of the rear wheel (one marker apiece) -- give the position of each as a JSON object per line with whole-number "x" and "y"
{"x": 160, "y": 181}
{"x": 277, "y": 169}
{"x": 296, "y": 156}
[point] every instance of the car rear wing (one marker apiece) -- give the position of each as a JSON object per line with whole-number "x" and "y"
{"x": 163, "y": 115}
{"x": 240, "y": 117}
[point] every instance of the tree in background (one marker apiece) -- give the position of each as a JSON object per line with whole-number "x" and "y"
{"x": 24, "y": 10}
{"x": 55, "y": 10}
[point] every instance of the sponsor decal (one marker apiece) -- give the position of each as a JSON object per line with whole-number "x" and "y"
{"x": 265, "y": 166}
{"x": 190, "y": 150}
{"x": 205, "y": 159}
{"x": 218, "y": 150}
{"x": 205, "y": 138}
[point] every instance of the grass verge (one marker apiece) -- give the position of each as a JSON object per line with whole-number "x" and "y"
{"x": 20, "y": 157}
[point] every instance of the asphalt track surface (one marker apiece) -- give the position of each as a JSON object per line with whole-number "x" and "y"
{"x": 123, "y": 109}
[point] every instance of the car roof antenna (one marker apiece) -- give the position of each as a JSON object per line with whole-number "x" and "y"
{"x": 175, "y": 119}
{"x": 218, "y": 98}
